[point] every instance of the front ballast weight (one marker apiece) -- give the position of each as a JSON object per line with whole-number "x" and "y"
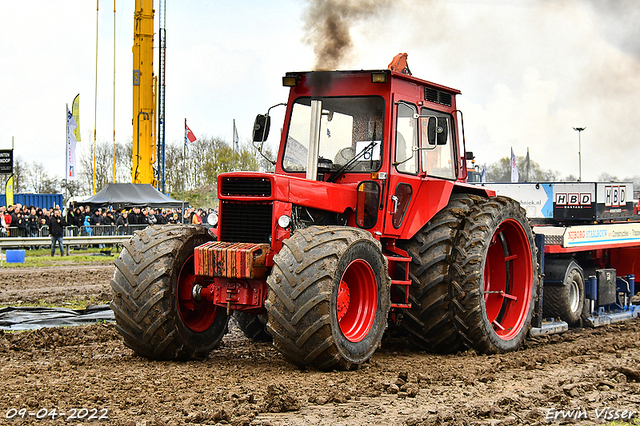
{"x": 241, "y": 268}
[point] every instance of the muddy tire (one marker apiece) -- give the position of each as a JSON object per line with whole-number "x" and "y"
{"x": 563, "y": 295}
{"x": 495, "y": 276}
{"x": 328, "y": 297}
{"x": 253, "y": 326}
{"x": 154, "y": 309}
{"x": 429, "y": 322}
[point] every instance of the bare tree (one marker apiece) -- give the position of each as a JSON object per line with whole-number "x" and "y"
{"x": 39, "y": 181}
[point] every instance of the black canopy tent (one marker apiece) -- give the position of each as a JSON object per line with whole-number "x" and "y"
{"x": 127, "y": 195}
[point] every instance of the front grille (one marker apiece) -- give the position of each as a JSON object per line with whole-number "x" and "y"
{"x": 245, "y": 222}
{"x": 246, "y": 187}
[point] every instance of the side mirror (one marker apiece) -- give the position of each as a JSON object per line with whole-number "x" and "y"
{"x": 442, "y": 131}
{"x": 437, "y": 129}
{"x": 261, "y": 128}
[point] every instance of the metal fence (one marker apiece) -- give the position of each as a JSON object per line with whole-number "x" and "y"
{"x": 74, "y": 231}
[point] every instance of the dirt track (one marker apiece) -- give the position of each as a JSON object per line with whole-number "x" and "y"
{"x": 55, "y": 285}
{"x": 593, "y": 372}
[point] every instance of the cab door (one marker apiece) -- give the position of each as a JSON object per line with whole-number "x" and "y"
{"x": 404, "y": 179}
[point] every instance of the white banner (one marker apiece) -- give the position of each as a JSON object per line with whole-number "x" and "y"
{"x": 71, "y": 173}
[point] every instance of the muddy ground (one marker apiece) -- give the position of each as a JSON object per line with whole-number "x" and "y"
{"x": 55, "y": 285}
{"x": 593, "y": 372}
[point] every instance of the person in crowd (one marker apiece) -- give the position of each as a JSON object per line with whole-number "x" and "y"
{"x": 14, "y": 211}
{"x": 44, "y": 220}
{"x": 8, "y": 218}
{"x": 150, "y": 216}
{"x": 162, "y": 217}
{"x": 32, "y": 223}
{"x": 86, "y": 226}
{"x": 21, "y": 224}
{"x": 96, "y": 217}
{"x": 108, "y": 220}
{"x": 56, "y": 229}
{"x": 70, "y": 217}
{"x": 174, "y": 218}
{"x": 195, "y": 218}
{"x": 4, "y": 229}
{"x": 122, "y": 223}
{"x": 135, "y": 216}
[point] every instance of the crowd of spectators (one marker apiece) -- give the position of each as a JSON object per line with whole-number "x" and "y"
{"x": 30, "y": 221}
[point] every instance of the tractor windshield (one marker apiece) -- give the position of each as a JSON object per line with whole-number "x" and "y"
{"x": 349, "y": 128}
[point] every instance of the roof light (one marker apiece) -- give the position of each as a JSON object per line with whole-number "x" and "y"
{"x": 378, "y": 77}
{"x": 289, "y": 80}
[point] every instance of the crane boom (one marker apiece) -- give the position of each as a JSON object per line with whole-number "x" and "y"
{"x": 144, "y": 144}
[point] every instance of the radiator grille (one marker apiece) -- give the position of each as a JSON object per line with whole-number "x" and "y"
{"x": 245, "y": 222}
{"x": 246, "y": 187}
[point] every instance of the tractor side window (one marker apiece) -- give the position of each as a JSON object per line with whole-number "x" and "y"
{"x": 438, "y": 155}
{"x": 367, "y": 205}
{"x": 401, "y": 198}
{"x": 405, "y": 160}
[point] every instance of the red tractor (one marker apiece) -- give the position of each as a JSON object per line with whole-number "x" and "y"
{"x": 366, "y": 221}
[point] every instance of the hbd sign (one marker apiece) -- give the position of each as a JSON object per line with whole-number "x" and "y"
{"x": 573, "y": 199}
{"x": 614, "y": 196}
{"x": 6, "y": 161}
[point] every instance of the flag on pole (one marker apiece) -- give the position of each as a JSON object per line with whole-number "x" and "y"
{"x": 71, "y": 173}
{"x": 75, "y": 110}
{"x": 236, "y": 146}
{"x": 8, "y": 190}
{"x": 514, "y": 167}
{"x": 188, "y": 135}
{"x": 483, "y": 175}
{"x": 527, "y": 165}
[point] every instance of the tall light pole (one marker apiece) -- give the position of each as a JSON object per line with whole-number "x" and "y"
{"x": 579, "y": 130}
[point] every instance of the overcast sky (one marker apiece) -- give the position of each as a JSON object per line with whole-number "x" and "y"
{"x": 529, "y": 70}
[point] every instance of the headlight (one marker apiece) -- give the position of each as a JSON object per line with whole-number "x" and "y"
{"x": 284, "y": 221}
{"x": 212, "y": 219}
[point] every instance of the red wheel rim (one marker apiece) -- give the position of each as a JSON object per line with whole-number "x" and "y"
{"x": 196, "y": 315}
{"x": 357, "y": 300}
{"x": 508, "y": 279}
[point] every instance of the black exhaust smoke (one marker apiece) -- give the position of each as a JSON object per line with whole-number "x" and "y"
{"x": 328, "y": 24}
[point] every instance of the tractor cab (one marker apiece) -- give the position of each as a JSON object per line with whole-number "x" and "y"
{"x": 389, "y": 137}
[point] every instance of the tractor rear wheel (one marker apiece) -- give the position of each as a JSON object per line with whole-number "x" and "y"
{"x": 253, "y": 326}
{"x": 495, "y": 276}
{"x": 429, "y": 322}
{"x": 157, "y": 311}
{"x": 328, "y": 297}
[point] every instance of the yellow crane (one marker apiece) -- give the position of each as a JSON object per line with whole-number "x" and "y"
{"x": 144, "y": 95}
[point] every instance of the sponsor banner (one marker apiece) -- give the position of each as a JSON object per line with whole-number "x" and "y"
{"x": 593, "y": 235}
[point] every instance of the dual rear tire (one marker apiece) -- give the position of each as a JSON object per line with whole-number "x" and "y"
{"x": 474, "y": 277}
{"x": 495, "y": 276}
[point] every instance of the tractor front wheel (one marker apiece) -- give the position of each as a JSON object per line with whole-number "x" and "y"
{"x": 495, "y": 276}
{"x": 328, "y": 297}
{"x": 157, "y": 310}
